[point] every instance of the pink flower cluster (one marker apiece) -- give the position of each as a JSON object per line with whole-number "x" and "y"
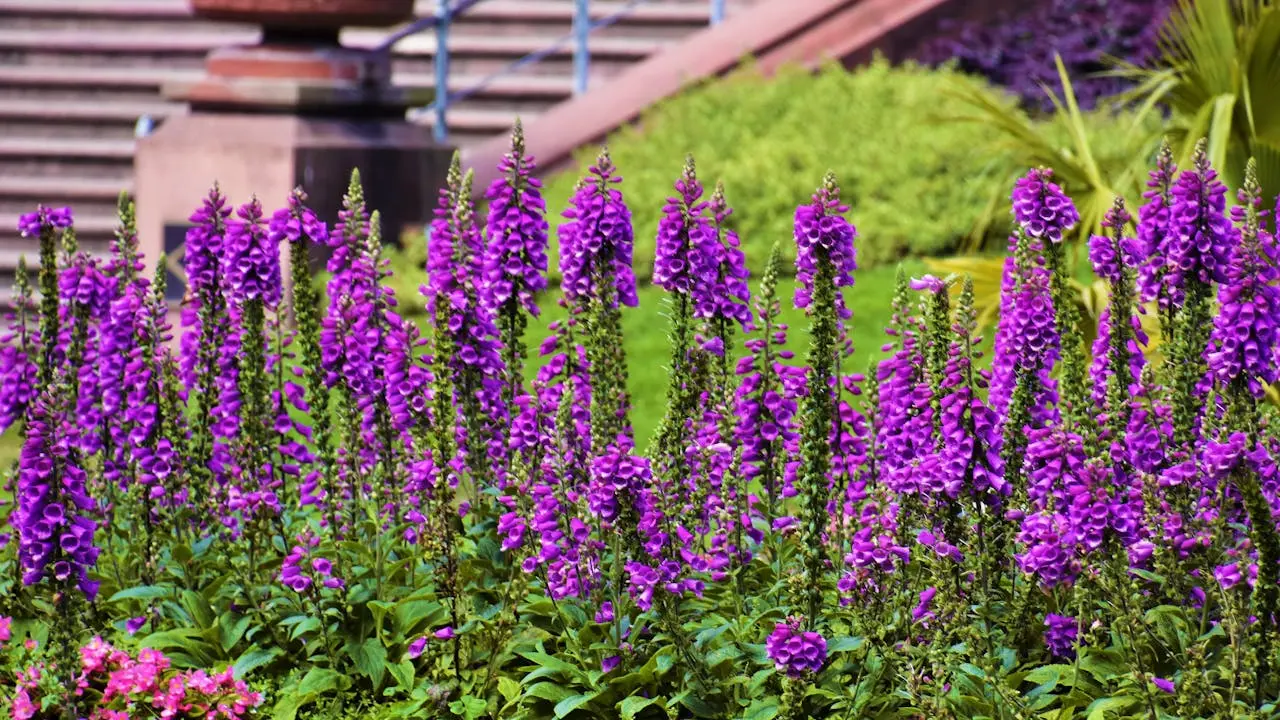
{"x": 125, "y": 687}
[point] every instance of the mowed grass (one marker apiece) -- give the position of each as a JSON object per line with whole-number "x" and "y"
{"x": 646, "y": 330}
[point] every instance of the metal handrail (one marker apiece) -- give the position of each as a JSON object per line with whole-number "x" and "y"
{"x": 581, "y": 32}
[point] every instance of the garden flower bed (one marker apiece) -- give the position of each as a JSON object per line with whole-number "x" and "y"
{"x": 309, "y": 508}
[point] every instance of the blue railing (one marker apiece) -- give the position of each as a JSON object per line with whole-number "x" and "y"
{"x": 583, "y": 25}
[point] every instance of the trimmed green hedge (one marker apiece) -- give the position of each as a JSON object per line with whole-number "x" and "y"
{"x": 917, "y": 180}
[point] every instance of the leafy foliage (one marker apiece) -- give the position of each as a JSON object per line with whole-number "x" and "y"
{"x": 917, "y": 183}
{"x": 1215, "y": 70}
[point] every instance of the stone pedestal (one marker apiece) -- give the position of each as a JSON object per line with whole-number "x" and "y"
{"x": 295, "y": 110}
{"x": 268, "y": 155}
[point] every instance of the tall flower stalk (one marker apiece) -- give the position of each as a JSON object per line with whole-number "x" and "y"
{"x": 825, "y": 261}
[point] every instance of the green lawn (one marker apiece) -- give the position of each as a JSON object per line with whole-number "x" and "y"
{"x": 646, "y": 330}
{"x": 648, "y": 355}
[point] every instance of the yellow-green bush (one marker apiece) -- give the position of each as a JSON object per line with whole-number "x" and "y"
{"x": 916, "y": 180}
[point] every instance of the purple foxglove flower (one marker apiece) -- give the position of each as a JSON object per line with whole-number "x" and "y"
{"x": 597, "y": 242}
{"x": 515, "y": 254}
{"x": 821, "y": 231}
{"x": 794, "y": 651}
{"x": 1041, "y": 208}
{"x": 53, "y": 518}
{"x": 1060, "y": 635}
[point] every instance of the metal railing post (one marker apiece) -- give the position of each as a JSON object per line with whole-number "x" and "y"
{"x": 441, "y": 104}
{"x": 581, "y": 53}
{"x": 717, "y": 12}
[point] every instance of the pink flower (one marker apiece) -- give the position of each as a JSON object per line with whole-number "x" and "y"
{"x": 5, "y": 631}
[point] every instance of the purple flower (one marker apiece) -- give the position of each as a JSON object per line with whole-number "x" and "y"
{"x": 515, "y": 256}
{"x": 303, "y": 567}
{"x": 1243, "y": 345}
{"x": 18, "y": 350}
{"x": 597, "y": 241}
{"x": 53, "y": 518}
{"x": 922, "y": 613}
{"x": 1060, "y": 635}
{"x": 1154, "y": 236}
{"x": 1163, "y": 685}
{"x": 794, "y": 651}
{"x": 823, "y": 234}
{"x": 251, "y": 261}
{"x": 296, "y": 223}
{"x": 133, "y": 625}
{"x": 722, "y": 290}
{"x": 684, "y": 237}
{"x": 416, "y": 647}
{"x": 1201, "y": 239}
{"x": 444, "y": 633}
{"x": 1041, "y": 208}
{"x": 33, "y": 223}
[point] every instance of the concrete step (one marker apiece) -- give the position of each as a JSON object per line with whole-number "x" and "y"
{"x": 87, "y": 196}
{"x": 81, "y": 111}
{"x": 74, "y": 149}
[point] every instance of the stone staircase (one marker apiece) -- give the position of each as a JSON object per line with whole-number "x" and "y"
{"x": 76, "y": 75}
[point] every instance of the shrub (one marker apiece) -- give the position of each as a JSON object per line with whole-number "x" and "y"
{"x": 916, "y": 182}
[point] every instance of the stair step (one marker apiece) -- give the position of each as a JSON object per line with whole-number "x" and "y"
{"x": 79, "y": 41}
{"x": 488, "y": 45}
{"x": 49, "y": 77}
{"x": 72, "y": 110}
{"x": 46, "y": 76}
{"x": 519, "y": 11}
{"x": 140, "y": 9}
{"x": 200, "y": 43}
{"x": 11, "y": 147}
{"x": 53, "y": 191}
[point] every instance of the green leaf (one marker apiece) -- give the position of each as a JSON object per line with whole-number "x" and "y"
{"x": 845, "y": 643}
{"x": 719, "y": 655}
{"x": 231, "y": 629}
{"x": 1049, "y": 673}
{"x": 188, "y": 640}
{"x": 1099, "y": 708}
{"x": 254, "y": 658}
{"x": 632, "y": 706}
{"x": 571, "y": 703}
{"x": 318, "y": 681}
{"x": 287, "y": 707}
{"x": 198, "y": 608}
{"x": 549, "y": 691}
{"x": 696, "y": 705}
{"x": 412, "y": 613}
{"x": 370, "y": 658}
{"x": 509, "y": 689}
{"x": 307, "y": 624}
{"x": 403, "y": 673}
{"x": 379, "y": 609}
{"x": 471, "y": 708}
{"x": 766, "y": 709}
{"x": 549, "y": 665}
{"x": 143, "y": 592}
